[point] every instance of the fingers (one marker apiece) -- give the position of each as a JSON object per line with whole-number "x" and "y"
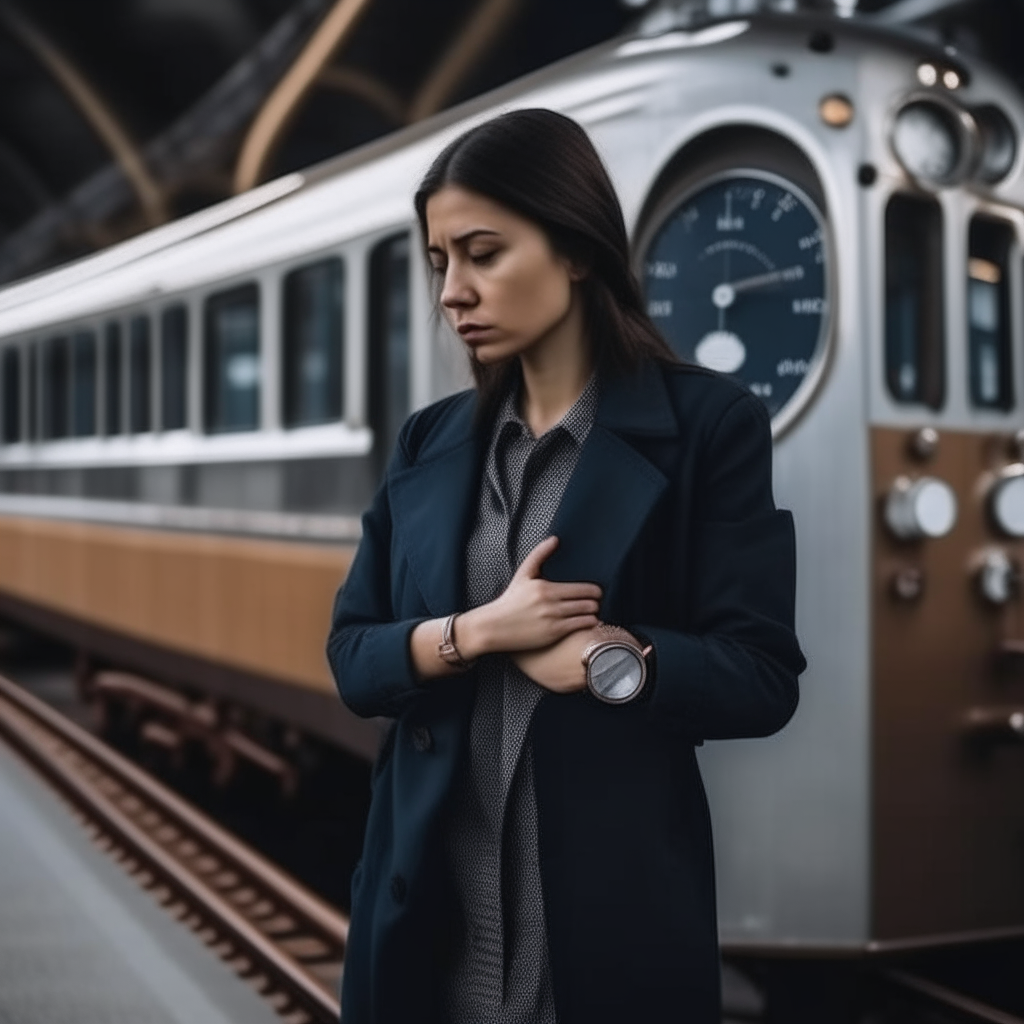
{"x": 573, "y": 592}
{"x": 569, "y": 609}
{"x": 577, "y": 622}
{"x": 530, "y": 566}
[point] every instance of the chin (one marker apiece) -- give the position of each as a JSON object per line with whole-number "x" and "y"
{"x": 498, "y": 352}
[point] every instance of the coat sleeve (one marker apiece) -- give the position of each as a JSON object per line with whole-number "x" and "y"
{"x": 368, "y": 648}
{"x": 733, "y": 672}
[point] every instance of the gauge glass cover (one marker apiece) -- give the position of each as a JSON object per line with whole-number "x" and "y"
{"x": 736, "y": 279}
{"x": 926, "y": 141}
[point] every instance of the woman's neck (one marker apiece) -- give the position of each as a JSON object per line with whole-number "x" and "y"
{"x": 555, "y": 372}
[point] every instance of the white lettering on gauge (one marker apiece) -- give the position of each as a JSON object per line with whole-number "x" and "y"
{"x": 662, "y": 270}
{"x": 727, "y": 222}
{"x": 809, "y": 307}
{"x": 809, "y": 241}
{"x": 787, "y": 203}
{"x": 659, "y": 308}
{"x": 762, "y": 389}
{"x": 792, "y": 368}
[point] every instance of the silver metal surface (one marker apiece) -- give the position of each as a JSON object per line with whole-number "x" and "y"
{"x": 329, "y": 529}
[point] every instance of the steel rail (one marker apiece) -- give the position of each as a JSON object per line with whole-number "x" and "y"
{"x": 272, "y": 931}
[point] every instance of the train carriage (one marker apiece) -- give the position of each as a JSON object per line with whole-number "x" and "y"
{"x": 832, "y": 213}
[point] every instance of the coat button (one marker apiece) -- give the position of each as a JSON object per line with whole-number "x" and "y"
{"x": 422, "y": 740}
{"x": 398, "y": 888}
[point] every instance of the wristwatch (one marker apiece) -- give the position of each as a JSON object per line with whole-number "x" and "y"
{"x": 616, "y": 668}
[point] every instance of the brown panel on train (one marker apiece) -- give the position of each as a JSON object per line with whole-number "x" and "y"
{"x": 948, "y": 812}
{"x": 263, "y": 606}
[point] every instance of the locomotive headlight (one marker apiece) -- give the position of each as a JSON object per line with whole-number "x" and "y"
{"x": 1006, "y": 501}
{"x": 925, "y": 507}
{"x": 933, "y": 140}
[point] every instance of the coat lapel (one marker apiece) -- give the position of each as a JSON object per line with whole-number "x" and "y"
{"x": 432, "y": 503}
{"x": 606, "y": 502}
{"x": 614, "y": 487}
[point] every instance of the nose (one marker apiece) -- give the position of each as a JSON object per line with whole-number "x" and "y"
{"x": 458, "y": 292}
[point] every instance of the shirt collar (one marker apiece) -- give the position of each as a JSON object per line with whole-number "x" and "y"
{"x": 576, "y": 422}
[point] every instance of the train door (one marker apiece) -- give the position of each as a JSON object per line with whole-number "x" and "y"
{"x": 389, "y": 376}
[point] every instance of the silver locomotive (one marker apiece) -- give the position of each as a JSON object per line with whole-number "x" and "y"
{"x": 829, "y": 211}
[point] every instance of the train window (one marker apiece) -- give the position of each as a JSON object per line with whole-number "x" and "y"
{"x": 232, "y": 360}
{"x": 112, "y": 376}
{"x": 914, "y": 324}
{"x": 139, "y": 413}
{"x": 389, "y": 341}
{"x": 313, "y": 341}
{"x": 11, "y": 369}
{"x": 83, "y": 387}
{"x": 56, "y": 380}
{"x": 990, "y": 371}
{"x": 173, "y": 367}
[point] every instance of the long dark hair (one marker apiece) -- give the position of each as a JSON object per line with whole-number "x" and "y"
{"x": 542, "y": 166}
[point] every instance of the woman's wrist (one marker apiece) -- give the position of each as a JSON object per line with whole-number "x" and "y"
{"x": 472, "y": 633}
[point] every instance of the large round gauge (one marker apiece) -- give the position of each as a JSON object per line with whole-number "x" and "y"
{"x": 736, "y": 278}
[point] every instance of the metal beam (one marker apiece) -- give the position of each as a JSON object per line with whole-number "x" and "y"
{"x": 368, "y": 88}
{"x": 282, "y": 104}
{"x": 197, "y": 151}
{"x": 93, "y": 108}
{"x": 476, "y": 37}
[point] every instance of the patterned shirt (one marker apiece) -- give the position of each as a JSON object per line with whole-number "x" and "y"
{"x": 501, "y": 972}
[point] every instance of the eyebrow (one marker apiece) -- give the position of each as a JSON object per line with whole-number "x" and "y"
{"x": 467, "y": 236}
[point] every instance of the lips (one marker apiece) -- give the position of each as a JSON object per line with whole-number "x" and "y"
{"x": 473, "y": 332}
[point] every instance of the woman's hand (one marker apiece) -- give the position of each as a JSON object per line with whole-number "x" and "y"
{"x": 559, "y": 668}
{"x": 532, "y": 613}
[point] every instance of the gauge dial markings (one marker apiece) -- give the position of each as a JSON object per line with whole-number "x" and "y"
{"x": 755, "y": 245}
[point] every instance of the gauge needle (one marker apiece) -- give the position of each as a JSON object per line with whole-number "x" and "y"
{"x": 724, "y": 295}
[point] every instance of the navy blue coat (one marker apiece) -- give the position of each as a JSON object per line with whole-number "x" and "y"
{"x": 670, "y": 510}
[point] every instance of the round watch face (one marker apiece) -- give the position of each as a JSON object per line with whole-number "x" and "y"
{"x": 736, "y": 277}
{"x": 616, "y": 674}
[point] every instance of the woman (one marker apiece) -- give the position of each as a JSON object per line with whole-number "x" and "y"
{"x": 538, "y": 847}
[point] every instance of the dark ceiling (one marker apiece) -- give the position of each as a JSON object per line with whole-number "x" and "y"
{"x": 118, "y": 114}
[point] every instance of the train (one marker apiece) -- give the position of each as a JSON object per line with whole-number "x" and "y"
{"x": 826, "y": 209}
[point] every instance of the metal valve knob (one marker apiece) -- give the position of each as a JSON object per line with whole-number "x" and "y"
{"x": 925, "y": 507}
{"x": 997, "y": 576}
{"x": 1006, "y": 501}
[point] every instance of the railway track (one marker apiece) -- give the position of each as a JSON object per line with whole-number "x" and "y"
{"x": 285, "y": 941}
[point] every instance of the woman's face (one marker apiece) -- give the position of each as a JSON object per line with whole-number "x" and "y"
{"x": 504, "y": 289}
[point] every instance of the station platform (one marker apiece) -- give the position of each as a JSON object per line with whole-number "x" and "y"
{"x": 81, "y": 943}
